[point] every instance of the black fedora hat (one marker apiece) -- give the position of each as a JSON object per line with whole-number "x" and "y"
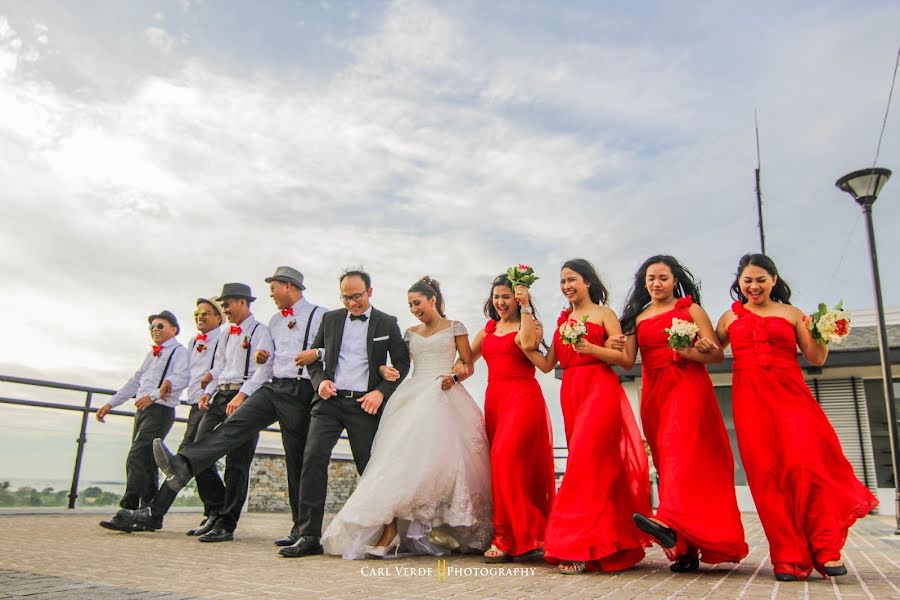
{"x": 166, "y": 315}
{"x": 236, "y": 290}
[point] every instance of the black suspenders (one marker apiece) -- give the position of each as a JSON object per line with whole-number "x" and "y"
{"x": 249, "y": 348}
{"x": 166, "y": 368}
{"x": 306, "y": 337}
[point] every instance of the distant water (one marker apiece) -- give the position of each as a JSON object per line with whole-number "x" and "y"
{"x": 115, "y": 487}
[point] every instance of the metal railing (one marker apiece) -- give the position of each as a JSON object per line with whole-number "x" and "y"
{"x": 559, "y": 452}
{"x": 85, "y": 410}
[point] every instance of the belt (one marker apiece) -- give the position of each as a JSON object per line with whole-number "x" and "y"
{"x": 230, "y": 387}
{"x": 350, "y": 394}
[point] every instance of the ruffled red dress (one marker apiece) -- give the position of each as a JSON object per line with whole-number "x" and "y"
{"x": 684, "y": 428}
{"x": 606, "y": 479}
{"x": 805, "y": 490}
{"x": 523, "y": 477}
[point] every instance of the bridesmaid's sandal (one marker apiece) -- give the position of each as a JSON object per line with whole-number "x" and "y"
{"x": 786, "y": 577}
{"x": 662, "y": 534}
{"x": 685, "y": 565}
{"x": 572, "y": 567}
{"x": 496, "y": 555}
{"x": 834, "y": 570}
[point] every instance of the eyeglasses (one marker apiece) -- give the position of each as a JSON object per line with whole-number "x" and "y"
{"x": 353, "y": 298}
{"x": 203, "y": 313}
{"x": 158, "y": 326}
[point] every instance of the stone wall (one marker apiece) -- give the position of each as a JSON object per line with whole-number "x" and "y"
{"x": 268, "y": 482}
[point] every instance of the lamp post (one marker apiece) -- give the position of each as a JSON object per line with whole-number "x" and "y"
{"x": 865, "y": 186}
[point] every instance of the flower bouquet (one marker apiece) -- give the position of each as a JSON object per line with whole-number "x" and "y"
{"x": 682, "y": 334}
{"x": 521, "y": 275}
{"x": 572, "y": 330}
{"x": 829, "y": 325}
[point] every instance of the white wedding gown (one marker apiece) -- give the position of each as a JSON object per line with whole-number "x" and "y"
{"x": 430, "y": 465}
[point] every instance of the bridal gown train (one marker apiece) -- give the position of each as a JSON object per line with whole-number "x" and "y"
{"x": 430, "y": 465}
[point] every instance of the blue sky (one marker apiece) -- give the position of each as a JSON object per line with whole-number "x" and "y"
{"x": 151, "y": 151}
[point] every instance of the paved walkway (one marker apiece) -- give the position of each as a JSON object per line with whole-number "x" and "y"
{"x": 70, "y": 556}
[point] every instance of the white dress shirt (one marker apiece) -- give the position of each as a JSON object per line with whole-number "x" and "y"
{"x": 352, "y": 370}
{"x": 231, "y": 356}
{"x": 201, "y": 360}
{"x": 149, "y": 377}
{"x": 288, "y": 334}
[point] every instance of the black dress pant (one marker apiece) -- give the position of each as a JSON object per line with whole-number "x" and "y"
{"x": 285, "y": 400}
{"x": 141, "y": 474}
{"x": 328, "y": 419}
{"x": 212, "y": 496}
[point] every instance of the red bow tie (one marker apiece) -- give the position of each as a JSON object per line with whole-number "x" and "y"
{"x": 287, "y": 311}
{"x": 157, "y": 350}
{"x": 201, "y": 337}
{"x": 235, "y": 330}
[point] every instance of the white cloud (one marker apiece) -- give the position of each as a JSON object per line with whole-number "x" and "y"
{"x": 159, "y": 39}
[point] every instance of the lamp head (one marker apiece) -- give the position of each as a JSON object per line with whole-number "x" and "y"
{"x": 864, "y": 185}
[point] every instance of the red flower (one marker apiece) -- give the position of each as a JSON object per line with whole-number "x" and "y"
{"x": 246, "y": 344}
{"x": 841, "y": 327}
{"x": 524, "y": 267}
{"x": 291, "y": 324}
{"x": 201, "y": 347}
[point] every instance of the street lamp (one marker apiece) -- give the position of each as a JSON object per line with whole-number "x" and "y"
{"x": 865, "y": 186}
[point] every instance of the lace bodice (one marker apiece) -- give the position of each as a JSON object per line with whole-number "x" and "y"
{"x": 434, "y": 355}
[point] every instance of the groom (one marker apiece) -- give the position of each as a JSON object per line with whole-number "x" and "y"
{"x": 355, "y": 341}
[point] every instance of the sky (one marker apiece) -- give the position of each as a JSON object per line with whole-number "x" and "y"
{"x": 151, "y": 151}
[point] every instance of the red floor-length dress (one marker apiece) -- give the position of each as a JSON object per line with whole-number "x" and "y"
{"x": 691, "y": 451}
{"x": 606, "y": 478}
{"x": 523, "y": 477}
{"x": 805, "y": 490}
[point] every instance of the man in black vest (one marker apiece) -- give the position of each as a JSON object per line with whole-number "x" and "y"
{"x": 350, "y": 394}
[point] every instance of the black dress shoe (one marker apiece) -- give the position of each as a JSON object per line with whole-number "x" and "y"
{"x": 685, "y": 565}
{"x": 142, "y": 519}
{"x": 290, "y": 539}
{"x": 206, "y": 526}
{"x": 217, "y": 534}
{"x": 305, "y": 546}
{"x": 785, "y": 577}
{"x": 177, "y": 470}
{"x": 835, "y": 571}
{"x": 665, "y": 536}
{"x": 118, "y": 523}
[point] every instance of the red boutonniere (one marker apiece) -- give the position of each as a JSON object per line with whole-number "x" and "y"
{"x": 292, "y": 323}
{"x": 201, "y": 348}
{"x": 246, "y": 343}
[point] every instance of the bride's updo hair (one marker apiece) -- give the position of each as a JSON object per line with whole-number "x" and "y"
{"x": 430, "y": 288}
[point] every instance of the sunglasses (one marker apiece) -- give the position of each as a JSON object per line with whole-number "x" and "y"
{"x": 158, "y": 326}
{"x": 203, "y": 313}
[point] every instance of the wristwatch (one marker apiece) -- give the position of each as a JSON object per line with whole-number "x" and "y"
{"x": 320, "y": 352}
{"x": 154, "y": 395}
{"x": 528, "y": 310}
{"x": 455, "y": 378}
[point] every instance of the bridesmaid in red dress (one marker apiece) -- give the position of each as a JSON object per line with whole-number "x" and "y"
{"x": 606, "y": 478}
{"x": 804, "y": 488}
{"x": 523, "y": 476}
{"x": 698, "y": 517}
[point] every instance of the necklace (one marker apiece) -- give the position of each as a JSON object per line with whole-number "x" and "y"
{"x": 501, "y": 330}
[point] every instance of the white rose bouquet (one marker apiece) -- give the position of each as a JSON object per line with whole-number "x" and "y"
{"x": 682, "y": 333}
{"x": 572, "y": 330}
{"x": 829, "y": 325}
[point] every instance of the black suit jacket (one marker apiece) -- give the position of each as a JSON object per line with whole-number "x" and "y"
{"x": 381, "y": 325}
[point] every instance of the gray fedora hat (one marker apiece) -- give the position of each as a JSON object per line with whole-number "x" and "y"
{"x": 214, "y": 302}
{"x": 288, "y": 275}
{"x": 166, "y": 315}
{"x": 236, "y": 290}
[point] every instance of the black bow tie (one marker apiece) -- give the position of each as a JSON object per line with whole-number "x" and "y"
{"x": 362, "y": 318}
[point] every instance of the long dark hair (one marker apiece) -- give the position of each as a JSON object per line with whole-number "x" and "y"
{"x": 430, "y": 288}
{"x": 639, "y": 297}
{"x": 596, "y": 290}
{"x": 490, "y": 312}
{"x": 781, "y": 292}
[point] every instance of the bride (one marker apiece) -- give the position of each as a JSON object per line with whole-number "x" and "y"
{"x": 427, "y": 486}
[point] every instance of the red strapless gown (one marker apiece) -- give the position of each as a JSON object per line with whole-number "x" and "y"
{"x": 606, "y": 478}
{"x": 690, "y": 447}
{"x": 804, "y": 488}
{"x": 523, "y": 477}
